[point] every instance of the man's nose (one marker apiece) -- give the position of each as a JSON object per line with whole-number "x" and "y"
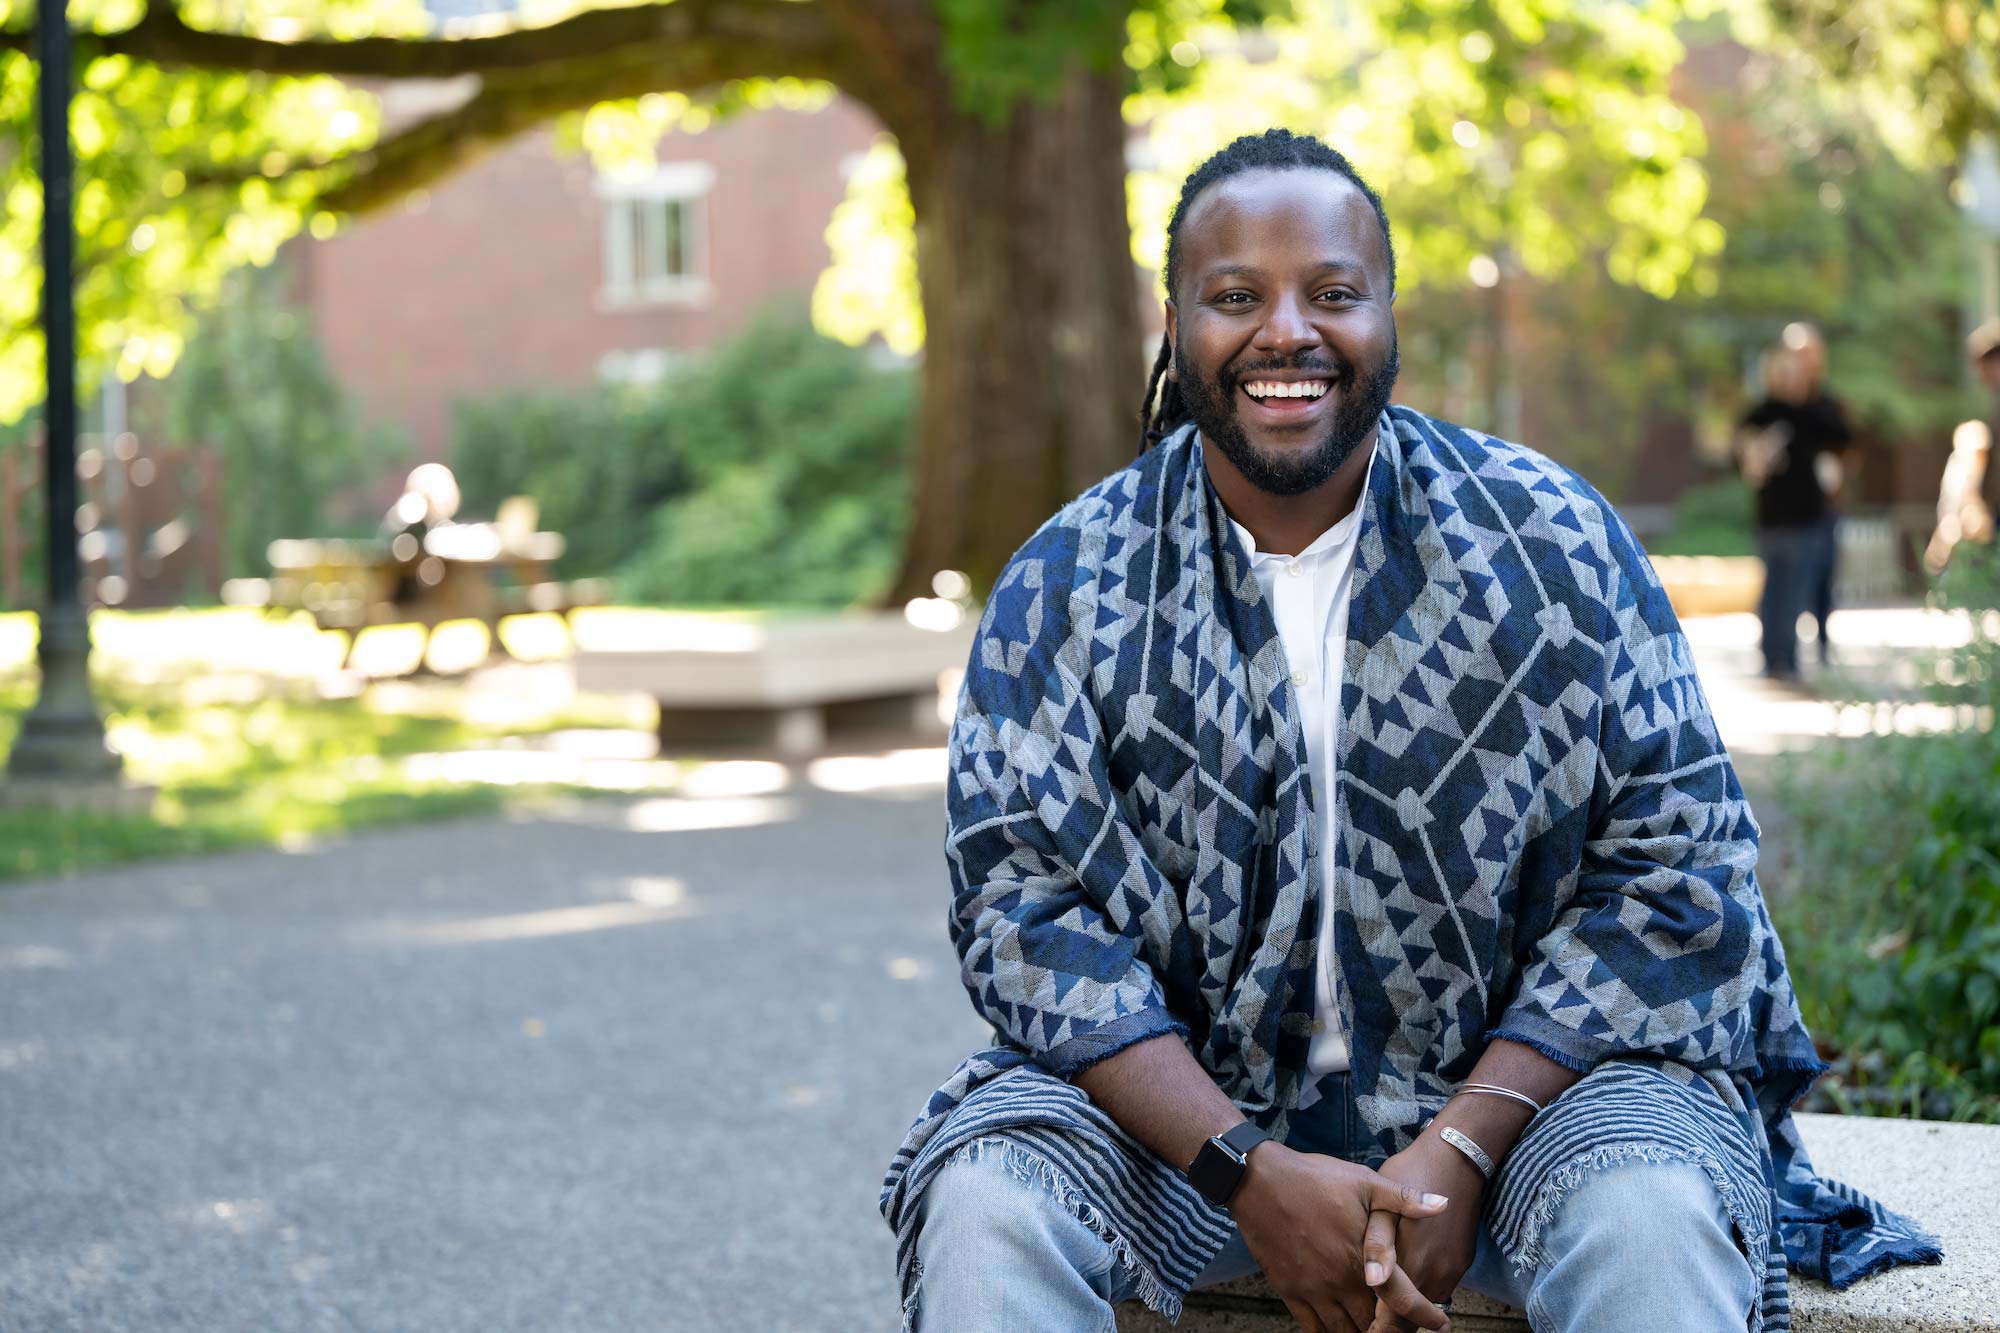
{"x": 1287, "y": 327}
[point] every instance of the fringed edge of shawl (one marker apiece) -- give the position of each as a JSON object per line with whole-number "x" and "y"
{"x": 1524, "y": 1247}
{"x": 1902, "y": 1240}
{"x": 1926, "y": 1251}
{"x": 1030, "y": 1168}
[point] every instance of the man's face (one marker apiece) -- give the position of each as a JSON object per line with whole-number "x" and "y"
{"x": 1283, "y": 337}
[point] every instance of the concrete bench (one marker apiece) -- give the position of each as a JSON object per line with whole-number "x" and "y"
{"x": 1946, "y": 1176}
{"x": 786, "y": 683}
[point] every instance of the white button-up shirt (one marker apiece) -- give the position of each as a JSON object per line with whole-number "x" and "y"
{"x": 1308, "y": 594}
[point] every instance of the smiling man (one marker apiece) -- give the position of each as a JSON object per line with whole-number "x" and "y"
{"x": 1344, "y": 856}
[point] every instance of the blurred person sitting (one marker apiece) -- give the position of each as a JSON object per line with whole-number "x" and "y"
{"x": 1964, "y": 514}
{"x": 1790, "y": 445}
{"x": 429, "y": 502}
{"x": 1969, "y": 493}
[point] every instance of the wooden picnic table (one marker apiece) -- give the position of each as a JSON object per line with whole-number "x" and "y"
{"x": 459, "y": 571}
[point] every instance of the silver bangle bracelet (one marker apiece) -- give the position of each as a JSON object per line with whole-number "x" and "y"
{"x": 1473, "y": 1152}
{"x": 1495, "y": 1090}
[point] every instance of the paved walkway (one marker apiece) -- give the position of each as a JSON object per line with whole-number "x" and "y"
{"x": 638, "y": 1065}
{"x": 631, "y": 1064}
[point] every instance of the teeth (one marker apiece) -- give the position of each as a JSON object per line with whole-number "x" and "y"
{"x": 1276, "y": 389}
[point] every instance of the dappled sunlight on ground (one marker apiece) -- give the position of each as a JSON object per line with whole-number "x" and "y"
{"x": 878, "y": 772}
{"x": 1874, "y": 686}
{"x": 543, "y": 924}
{"x": 618, "y": 761}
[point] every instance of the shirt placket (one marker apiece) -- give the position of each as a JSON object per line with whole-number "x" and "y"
{"x": 1300, "y": 598}
{"x": 1322, "y": 607}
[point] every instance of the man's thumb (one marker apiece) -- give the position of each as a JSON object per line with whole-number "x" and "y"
{"x": 1407, "y": 1200}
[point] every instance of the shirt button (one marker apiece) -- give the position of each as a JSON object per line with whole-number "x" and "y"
{"x": 1319, "y": 1025}
{"x": 1302, "y": 677}
{"x": 1295, "y": 568}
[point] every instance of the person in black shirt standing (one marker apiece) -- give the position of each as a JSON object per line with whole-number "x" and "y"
{"x": 1789, "y": 450}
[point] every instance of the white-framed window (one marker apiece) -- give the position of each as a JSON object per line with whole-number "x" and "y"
{"x": 656, "y": 235}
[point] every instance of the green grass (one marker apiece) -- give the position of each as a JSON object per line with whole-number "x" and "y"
{"x": 223, "y": 711}
{"x": 229, "y": 775}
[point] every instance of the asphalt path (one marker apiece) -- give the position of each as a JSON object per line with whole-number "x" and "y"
{"x": 627, "y": 1064}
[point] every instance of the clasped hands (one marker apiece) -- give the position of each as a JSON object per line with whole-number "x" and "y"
{"x": 1351, "y": 1250}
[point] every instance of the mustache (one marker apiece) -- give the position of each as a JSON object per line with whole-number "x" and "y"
{"x": 1338, "y": 370}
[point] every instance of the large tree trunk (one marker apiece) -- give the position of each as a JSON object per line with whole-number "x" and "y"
{"x": 1032, "y": 359}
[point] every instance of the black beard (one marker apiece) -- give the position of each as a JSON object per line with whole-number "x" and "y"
{"x": 1212, "y": 405}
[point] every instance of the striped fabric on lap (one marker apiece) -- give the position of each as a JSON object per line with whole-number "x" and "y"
{"x": 1162, "y": 1231}
{"x": 1627, "y": 1110}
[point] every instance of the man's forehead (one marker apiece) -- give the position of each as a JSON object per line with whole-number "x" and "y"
{"x": 1258, "y": 209}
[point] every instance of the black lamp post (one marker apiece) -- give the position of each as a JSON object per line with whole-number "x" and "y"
{"x": 62, "y": 737}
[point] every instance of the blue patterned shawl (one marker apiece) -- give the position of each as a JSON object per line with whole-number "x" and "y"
{"x": 1540, "y": 838}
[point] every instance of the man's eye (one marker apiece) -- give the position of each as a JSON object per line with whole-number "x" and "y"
{"x": 1336, "y": 294}
{"x": 1233, "y": 298}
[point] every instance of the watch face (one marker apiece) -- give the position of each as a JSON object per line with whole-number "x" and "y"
{"x": 1215, "y": 1172}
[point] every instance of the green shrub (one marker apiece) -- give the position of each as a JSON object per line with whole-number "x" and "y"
{"x": 799, "y": 454}
{"x": 773, "y": 470}
{"x": 1715, "y": 518}
{"x": 597, "y": 462}
{"x": 1893, "y": 913}
{"x": 255, "y": 386}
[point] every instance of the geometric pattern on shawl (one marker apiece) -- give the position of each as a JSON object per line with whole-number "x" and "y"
{"x": 1538, "y": 831}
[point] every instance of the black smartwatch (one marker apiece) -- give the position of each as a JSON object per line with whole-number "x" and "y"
{"x": 1218, "y": 1168}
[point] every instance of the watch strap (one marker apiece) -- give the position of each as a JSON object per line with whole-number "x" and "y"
{"x": 1243, "y": 1138}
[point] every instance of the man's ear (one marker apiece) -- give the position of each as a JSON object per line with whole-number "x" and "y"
{"x": 1173, "y": 341}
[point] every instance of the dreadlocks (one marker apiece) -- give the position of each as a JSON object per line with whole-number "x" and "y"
{"x": 1164, "y": 410}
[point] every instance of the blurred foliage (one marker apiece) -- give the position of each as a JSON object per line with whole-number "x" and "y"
{"x": 1893, "y": 923}
{"x": 1823, "y": 222}
{"x": 624, "y": 135}
{"x": 869, "y": 290}
{"x": 772, "y": 470}
{"x": 1527, "y": 134}
{"x": 597, "y": 461}
{"x": 1923, "y": 71}
{"x": 254, "y": 386}
{"x": 1715, "y": 518}
{"x": 1532, "y": 133}
{"x": 997, "y": 52}
{"x": 798, "y": 451}
{"x": 181, "y": 176}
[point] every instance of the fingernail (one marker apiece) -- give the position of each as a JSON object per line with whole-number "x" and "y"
{"x": 1435, "y": 1201}
{"x": 1372, "y": 1274}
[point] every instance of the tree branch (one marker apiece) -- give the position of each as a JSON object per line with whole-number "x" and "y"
{"x": 765, "y": 37}
{"x": 504, "y": 107}
{"x": 435, "y": 147}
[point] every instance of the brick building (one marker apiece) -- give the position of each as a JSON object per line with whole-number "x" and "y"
{"x": 531, "y": 267}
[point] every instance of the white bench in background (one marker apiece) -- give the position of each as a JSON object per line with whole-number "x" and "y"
{"x": 1945, "y": 1176}
{"x": 786, "y": 682}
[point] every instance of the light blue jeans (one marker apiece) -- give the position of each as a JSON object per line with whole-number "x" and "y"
{"x": 1636, "y": 1246}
